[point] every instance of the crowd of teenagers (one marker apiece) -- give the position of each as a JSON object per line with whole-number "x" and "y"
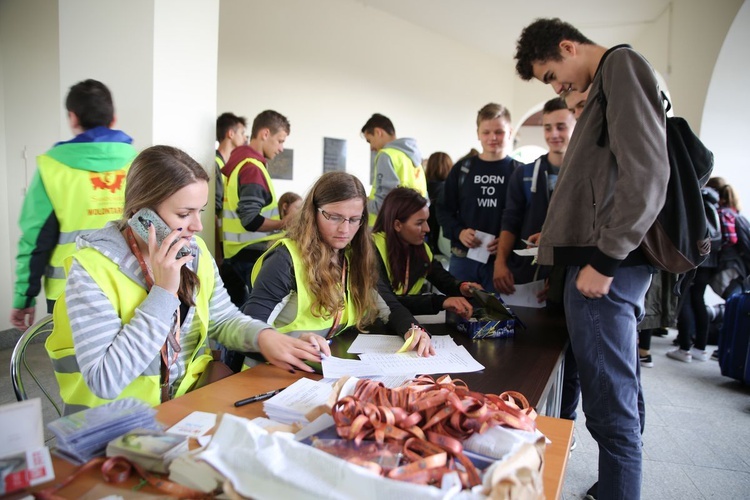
{"x": 139, "y": 302}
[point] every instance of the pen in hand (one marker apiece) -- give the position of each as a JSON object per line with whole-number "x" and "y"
{"x": 257, "y": 397}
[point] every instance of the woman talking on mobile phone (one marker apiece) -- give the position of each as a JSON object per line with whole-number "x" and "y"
{"x": 322, "y": 277}
{"x": 136, "y": 316}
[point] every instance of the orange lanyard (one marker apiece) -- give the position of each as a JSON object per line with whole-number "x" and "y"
{"x": 339, "y": 312}
{"x": 173, "y": 338}
{"x": 406, "y": 276}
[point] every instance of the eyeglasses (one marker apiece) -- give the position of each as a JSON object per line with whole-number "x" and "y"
{"x": 338, "y": 220}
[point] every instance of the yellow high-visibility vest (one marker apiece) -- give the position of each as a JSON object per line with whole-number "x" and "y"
{"x": 409, "y": 174}
{"x": 83, "y": 201}
{"x": 416, "y": 288}
{"x": 236, "y": 237}
{"x": 305, "y": 321}
{"x": 125, "y": 295}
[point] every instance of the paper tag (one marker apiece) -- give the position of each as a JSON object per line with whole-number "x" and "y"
{"x": 196, "y": 424}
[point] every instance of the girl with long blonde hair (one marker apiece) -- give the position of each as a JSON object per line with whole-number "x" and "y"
{"x": 322, "y": 277}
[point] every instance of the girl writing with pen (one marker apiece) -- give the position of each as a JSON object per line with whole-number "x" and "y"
{"x": 405, "y": 259}
{"x": 138, "y": 310}
{"x": 322, "y": 278}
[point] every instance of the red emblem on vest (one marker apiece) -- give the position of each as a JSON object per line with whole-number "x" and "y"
{"x": 110, "y": 181}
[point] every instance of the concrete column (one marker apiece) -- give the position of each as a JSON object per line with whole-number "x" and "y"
{"x": 160, "y": 60}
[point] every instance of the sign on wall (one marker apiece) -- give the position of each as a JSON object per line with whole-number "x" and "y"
{"x": 334, "y": 155}
{"x": 282, "y": 166}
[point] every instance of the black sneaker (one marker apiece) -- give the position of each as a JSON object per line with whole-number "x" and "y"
{"x": 715, "y": 355}
{"x": 592, "y": 492}
{"x": 646, "y": 361}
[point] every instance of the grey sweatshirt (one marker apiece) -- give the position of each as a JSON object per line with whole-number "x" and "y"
{"x": 385, "y": 175}
{"x": 111, "y": 354}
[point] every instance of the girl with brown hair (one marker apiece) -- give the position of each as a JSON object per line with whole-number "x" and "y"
{"x": 406, "y": 260}
{"x": 136, "y": 316}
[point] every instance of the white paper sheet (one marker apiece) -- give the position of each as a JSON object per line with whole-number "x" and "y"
{"x": 369, "y": 342}
{"x": 525, "y": 295}
{"x": 527, "y": 252}
{"x": 455, "y": 360}
{"x": 334, "y": 367}
{"x": 293, "y": 403}
{"x": 388, "y": 344}
{"x": 443, "y": 342}
{"x": 480, "y": 253}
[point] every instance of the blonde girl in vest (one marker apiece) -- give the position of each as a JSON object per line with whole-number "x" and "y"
{"x": 405, "y": 260}
{"x": 289, "y": 204}
{"x": 135, "y": 316}
{"x": 322, "y": 277}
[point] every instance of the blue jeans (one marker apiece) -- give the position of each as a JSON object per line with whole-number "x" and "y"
{"x": 465, "y": 269}
{"x": 604, "y": 339}
{"x": 571, "y": 386}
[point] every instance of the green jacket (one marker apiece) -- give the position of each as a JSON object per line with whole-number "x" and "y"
{"x": 77, "y": 187}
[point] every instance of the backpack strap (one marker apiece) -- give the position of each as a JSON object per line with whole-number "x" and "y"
{"x": 530, "y": 179}
{"x": 465, "y": 166}
{"x": 535, "y": 175}
{"x": 603, "y": 134}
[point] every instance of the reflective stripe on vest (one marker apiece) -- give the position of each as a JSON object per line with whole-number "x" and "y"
{"x": 235, "y": 236}
{"x": 301, "y": 318}
{"x": 409, "y": 174}
{"x": 126, "y": 296}
{"x": 83, "y": 201}
{"x": 380, "y": 244}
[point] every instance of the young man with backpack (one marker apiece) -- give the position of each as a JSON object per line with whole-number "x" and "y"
{"x": 474, "y": 196}
{"x": 527, "y": 199}
{"x": 606, "y": 199}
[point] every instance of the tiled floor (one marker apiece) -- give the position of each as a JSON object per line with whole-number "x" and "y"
{"x": 696, "y": 442}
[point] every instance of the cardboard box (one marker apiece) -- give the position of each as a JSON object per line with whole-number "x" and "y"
{"x": 491, "y": 320}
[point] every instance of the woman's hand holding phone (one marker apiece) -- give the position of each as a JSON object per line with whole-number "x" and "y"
{"x": 165, "y": 265}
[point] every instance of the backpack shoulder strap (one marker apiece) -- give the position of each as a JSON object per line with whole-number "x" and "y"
{"x": 603, "y": 134}
{"x": 465, "y": 166}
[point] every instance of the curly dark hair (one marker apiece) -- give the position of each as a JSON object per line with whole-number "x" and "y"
{"x": 539, "y": 42}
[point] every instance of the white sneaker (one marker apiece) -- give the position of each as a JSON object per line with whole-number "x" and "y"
{"x": 699, "y": 355}
{"x": 680, "y": 355}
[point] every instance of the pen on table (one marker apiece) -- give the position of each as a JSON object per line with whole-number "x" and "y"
{"x": 257, "y": 397}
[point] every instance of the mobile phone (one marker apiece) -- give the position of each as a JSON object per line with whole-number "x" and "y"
{"x": 140, "y": 221}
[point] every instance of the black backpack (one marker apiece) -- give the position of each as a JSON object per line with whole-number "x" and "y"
{"x": 679, "y": 239}
{"x": 742, "y": 227}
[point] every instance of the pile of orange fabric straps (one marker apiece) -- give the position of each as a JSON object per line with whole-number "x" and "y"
{"x": 430, "y": 419}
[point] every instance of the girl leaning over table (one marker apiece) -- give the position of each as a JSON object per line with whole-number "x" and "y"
{"x": 405, "y": 259}
{"x": 322, "y": 277}
{"x": 135, "y": 319}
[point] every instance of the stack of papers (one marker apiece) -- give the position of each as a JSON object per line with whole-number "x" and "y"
{"x": 84, "y": 435}
{"x": 296, "y": 401}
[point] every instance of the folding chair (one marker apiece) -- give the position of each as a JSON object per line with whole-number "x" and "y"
{"x": 18, "y": 359}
